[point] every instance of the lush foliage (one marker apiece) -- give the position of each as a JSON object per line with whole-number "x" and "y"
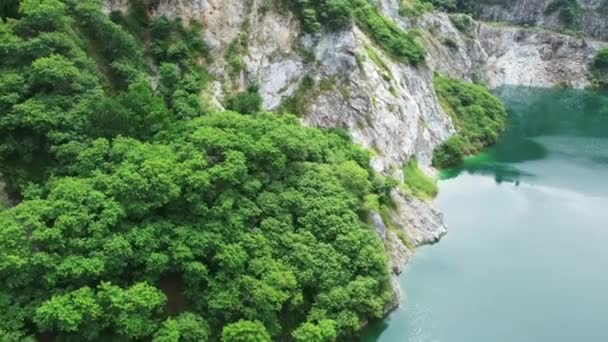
{"x": 51, "y": 100}
{"x": 318, "y": 14}
{"x": 567, "y": 10}
{"x": 335, "y": 14}
{"x": 465, "y": 6}
{"x": 298, "y": 103}
{"x": 417, "y": 182}
{"x": 477, "y": 114}
{"x": 386, "y": 33}
{"x": 245, "y": 102}
{"x": 414, "y": 8}
{"x": 599, "y": 69}
{"x": 9, "y": 9}
{"x": 143, "y": 217}
{"x": 248, "y": 217}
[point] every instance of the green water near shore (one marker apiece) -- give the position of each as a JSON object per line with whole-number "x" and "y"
{"x": 526, "y": 256}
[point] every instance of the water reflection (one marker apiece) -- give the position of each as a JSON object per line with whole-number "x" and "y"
{"x": 523, "y": 261}
{"x": 535, "y": 116}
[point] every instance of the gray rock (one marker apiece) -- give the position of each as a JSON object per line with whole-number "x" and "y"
{"x": 390, "y": 107}
{"x": 418, "y": 219}
{"x": 379, "y": 225}
{"x": 591, "y": 18}
{"x": 398, "y": 254}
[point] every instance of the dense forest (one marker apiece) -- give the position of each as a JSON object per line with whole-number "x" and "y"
{"x": 144, "y": 215}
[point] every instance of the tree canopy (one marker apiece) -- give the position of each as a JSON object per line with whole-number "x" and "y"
{"x": 478, "y": 115}
{"x": 146, "y": 216}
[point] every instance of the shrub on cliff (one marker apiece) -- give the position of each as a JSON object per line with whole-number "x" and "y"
{"x": 417, "y": 182}
{"x": 477, "y": 114}
{"x": 387, "y": 34}
{"x": 245, "y": 102}
{"x": 600, "y": 61}
{"x": 599, "y": 69}
{"x": 336, "y": 14}
{"x": 566, "y": 9}
{"x": 464, "y": 6}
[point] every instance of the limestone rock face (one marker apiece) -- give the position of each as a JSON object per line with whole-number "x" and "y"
{"x": 503, "y": 55}
{"x": 548, "y": 59}
{"x": 387, "y": 106}
{"x": 591, "y": 17}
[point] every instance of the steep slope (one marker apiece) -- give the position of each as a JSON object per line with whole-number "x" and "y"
{"x": 342, "y": 79}
{"x": 499, "y": 54}
{"x": 587, "y": 16}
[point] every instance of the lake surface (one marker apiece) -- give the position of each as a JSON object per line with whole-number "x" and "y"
{"x": 526, "y": 256}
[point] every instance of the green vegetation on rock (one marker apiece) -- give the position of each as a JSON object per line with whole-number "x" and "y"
{"x": 414, "y": 8}
{"x": 478, "y": 116}
{"x": 417, "y": 182}
{"x": 336, "y": 14}
{"x": 599, "y": 69}
{"x": 465, "y": 6}
{"x": 387, "y": 34}
{"x": 144, "y": 216}
{"x": 245, "y": 102}
{"x": 567, "y": 10}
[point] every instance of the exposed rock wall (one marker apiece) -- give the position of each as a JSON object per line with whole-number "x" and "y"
{"x": 591, "y": 17}
{"x": 387, "y": 106}
{"x": 536, "y": 57}
{"x": 499, "y": 55}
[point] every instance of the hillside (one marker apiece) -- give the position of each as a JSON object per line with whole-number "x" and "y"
{"x": 232, "y": 170}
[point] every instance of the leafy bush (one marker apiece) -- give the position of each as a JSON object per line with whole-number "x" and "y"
{"x": 414, "y": 9}
{"x": 477, "y": 114}
{"x": 599, "y": 69}
{"x": 335, "y": 14}
{"x": 417, "y": 182}
{"x": 9, "y": 9}
{"x": 450, "y": 152}
{"x": 600, "y": 61}
{"x": 464, "y": 6}
{"x": 177, "y": 51}
{"x": 387, "y": 34}
{"x": 318, "y": 14}
{"x": 298, "y": 103}
{"x": 567, "y": 10}
{"x": 462, "y": 22}
{"x": 246, "y": 102}
{"x": 451, "y": 43}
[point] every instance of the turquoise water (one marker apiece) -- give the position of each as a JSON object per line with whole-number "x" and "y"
{"x": 526, "y": 256}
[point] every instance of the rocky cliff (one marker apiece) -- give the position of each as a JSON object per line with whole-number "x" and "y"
{"x": 588, "y": 16}
{"x": 388, "y": 107}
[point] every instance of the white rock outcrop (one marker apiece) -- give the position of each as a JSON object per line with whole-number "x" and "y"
{"x": 387, "y": 106}
{"x": 590, "y": 17}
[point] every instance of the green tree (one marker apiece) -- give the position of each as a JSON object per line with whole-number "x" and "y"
{"x": 141, "y": 213}
{"x": 133, "y": 311}
{"x": 245, "y": 331}
{"x": 9, "y": 9}
{"x": 324, "y": 331}
{"x": 187, "y": 327}
{"x": 246, "y": 102}
{"x": 70, "y": 313}
{"x": 477, "y": 114}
